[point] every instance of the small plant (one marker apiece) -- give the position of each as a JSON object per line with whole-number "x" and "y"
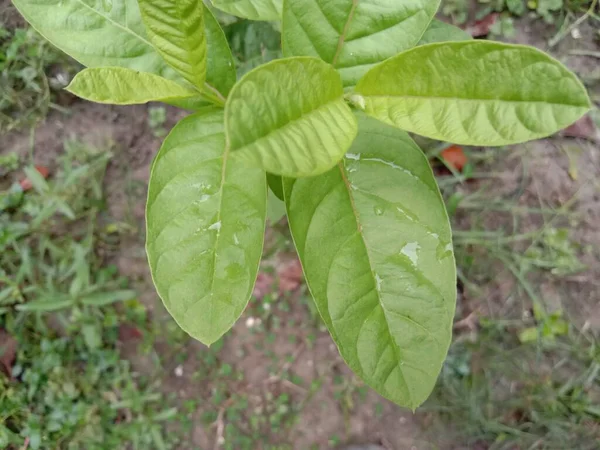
{"x": 64, "y": 383}
{"x": 157, "y": 116}
{"x": 329, "y": 124}
{"x": 25, "y": 90}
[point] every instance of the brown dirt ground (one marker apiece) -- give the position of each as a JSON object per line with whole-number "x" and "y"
{"x": 548, "y": 182}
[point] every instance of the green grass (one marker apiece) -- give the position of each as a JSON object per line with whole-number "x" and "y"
{"x": 559, "y": 14}
{"x": 26, "y": 89}
{"x": 519, "y": 374}
{"x": 63, "y": 309}
{"x": 499, "y": 393}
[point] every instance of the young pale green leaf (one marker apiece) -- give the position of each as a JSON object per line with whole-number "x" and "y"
{"x": 109, "y": 34}
{"x": 176, "y": 28}
{"x": 290, "y": 118}
{"x": 251, "y": 9}
{"x": 474, "y": 93}
{"x": 439, "y": 31}
{"x": 120, "y": 86}
{"x": 375, "y": 244}
{"x": 205, "y": 218}
{"x": 354, "y": 35}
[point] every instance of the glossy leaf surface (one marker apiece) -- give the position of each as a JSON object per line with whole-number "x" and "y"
{"x": 108, "y": 34}
{"x": 439, "y": 31}
{"x": 176, "y": 28}
{"x": 354, "y": 35}
{"x": 290, "y": 118}
{"x": 205, "y": 224}
{"x": 474, "y": 93}
{"x": 375, "y": 244}
{"x": 251, "y": 9}
{"x": 120, "y": 86}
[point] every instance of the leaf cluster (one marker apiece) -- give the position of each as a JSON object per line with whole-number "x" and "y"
{"x": 329, "y": 122}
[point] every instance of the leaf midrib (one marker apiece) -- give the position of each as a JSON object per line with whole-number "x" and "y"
{"x": 115, "y": 23}
{"x": 216, "y": 246}
{"x": 256, "y": 142}
{"x": 345, "y": 31}
{"x": 362, "y": 237}
{"x": 478, "y": 100}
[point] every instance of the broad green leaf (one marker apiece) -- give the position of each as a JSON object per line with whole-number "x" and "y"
{"x": 439, "y": 31}
{"x": 251, "y": 9}
{"x": 205, "y": 224}
{"x": 176, "y": 28}
{"x": 289, "y": 117}
{"x": 474, "y": 93}
{"x": 120, "y": 86}
{"x": 375, "y": 244}
{"x": 95, "y": 33}
{"x": 108, "y": 34}
{"x": 354, "y": 35}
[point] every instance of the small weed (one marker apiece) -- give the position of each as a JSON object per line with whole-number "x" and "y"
{"x": 523, "y": 377}
{"x": 500, "y": 394}
{"x": 25, "y": 89}
{"x": 157, "y": 116}
{"x": 66, "y": 385}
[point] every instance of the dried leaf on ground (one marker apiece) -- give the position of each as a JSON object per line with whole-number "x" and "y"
{"x": 290, "y": 276}
{"x": 455, "y": 157}
{"x": 8, "y": 352}
{"x": 482, "y": 27}
{"x": 26, "y": 182}
{"x": 263, "y": 285}
{"x": 128, "y": 332}
{"x": 584, "y": 128}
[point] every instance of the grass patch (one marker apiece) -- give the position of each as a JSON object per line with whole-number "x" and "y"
{"x": 63, "y": 315}
{"x": 26, "y": 88}
{"x": 519, "y": 373}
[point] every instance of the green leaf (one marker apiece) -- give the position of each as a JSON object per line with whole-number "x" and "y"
{"x": 108, "y": 34}
{"x": 47, "y": 305}
{"x": 205, "y": 225}
{"x": 275, "y": 209}
{"x": 220, "y": 67}
{"x": 100, "y": 299}
{"x": 353, "y": 35}
{"x": 375, "y": 244}
{"x": 176, "y": 28}
{"x": 95, "y": 33}
{"x": 474, "y": 93}
{"x": 251, "y": 9}
{"x": 120, "y": 86}
{"x": 275, "y": 184}
{"x": 439, "y": 31}
{"x": 289, "y": 117}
